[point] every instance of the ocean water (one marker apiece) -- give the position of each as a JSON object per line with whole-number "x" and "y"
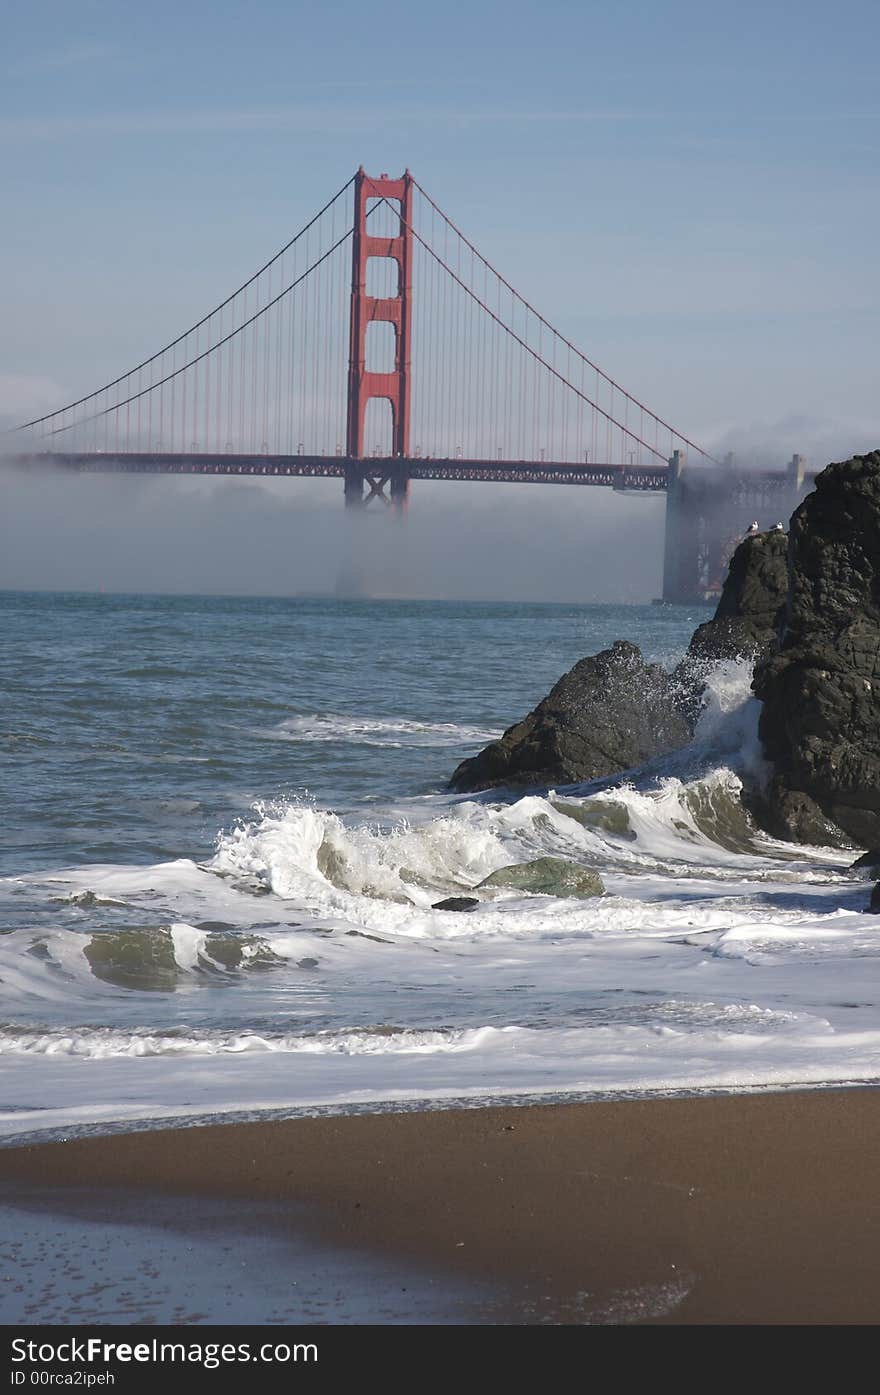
{"x": 225, "y": 823}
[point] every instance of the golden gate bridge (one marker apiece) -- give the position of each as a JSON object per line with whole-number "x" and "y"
{"x": 379, "y": 347}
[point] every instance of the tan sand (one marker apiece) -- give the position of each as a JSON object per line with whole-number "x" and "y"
{"x": 740, "y": 1209}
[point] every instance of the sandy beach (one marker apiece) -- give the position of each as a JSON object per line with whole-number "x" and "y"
{"x": 731, "y": 1209}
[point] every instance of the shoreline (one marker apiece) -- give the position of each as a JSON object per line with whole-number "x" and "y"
{"x": 755, "y": 1208}
{"x": 425, "y": 1104}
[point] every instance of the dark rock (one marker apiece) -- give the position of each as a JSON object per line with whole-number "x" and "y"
{"x": 820, "y": 722}
{"x": 548, "y": 876}
{"x": 792, "y": 816}
{"x": 457, "y": 903}
{"x": 609, "y": 713}
{"x": 868, "y": 862}
{"x": 874, "y": 904}
{"x": 749, "y": 615}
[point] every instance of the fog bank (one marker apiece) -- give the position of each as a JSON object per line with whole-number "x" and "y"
{"x": 284, "y": 537}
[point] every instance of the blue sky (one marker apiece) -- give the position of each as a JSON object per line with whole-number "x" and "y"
{"x": 689, "y": 190}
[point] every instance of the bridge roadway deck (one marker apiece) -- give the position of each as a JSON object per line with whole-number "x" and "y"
{"x": 651, "y": 479}
{"x": 336, "y": 467}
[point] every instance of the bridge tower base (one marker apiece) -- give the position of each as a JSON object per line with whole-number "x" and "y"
{"x": 709, "y": 511}
{"x": 373, "y": 477}
{"x": 679, "y": 543}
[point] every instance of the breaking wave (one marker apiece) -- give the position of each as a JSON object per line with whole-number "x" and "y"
{"x": 684, "y": 814}
{"x": 103, "y": 1043}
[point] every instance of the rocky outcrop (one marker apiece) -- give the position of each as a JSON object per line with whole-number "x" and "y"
{"x": 750, "y": 611}
{"x": 806, "y": 607}
{"x": 547, "y": 876}
{"x": 820, "y": 721}
{"x": 609, "y": 713}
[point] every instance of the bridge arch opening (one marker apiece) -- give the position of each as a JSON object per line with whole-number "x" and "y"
{"x": 383, "y": 217}
{"x": 382, "y": 277}
{"x": 380, "y": 347}
{"x": 378, "y": 427}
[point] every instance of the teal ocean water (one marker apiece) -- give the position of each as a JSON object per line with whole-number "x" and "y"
{"x": 135, "y": 727}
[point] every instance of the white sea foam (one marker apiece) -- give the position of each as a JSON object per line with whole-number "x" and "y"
{"x": 728, "y": 723}
{"x": 103, "y": 1043}
{"x": 494, "y": 1064}
{"x": 378, "y": 731}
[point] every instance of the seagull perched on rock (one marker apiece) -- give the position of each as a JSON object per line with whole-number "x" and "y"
{"x": 752, "y": 529}
{"x": 778, "y": 528}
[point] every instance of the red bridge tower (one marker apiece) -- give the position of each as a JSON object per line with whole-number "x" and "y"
{"x": 397, "y": 311}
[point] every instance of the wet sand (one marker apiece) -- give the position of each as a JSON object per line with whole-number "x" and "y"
{"x": 77, "y": 1256}
{"x": 734, "y": 1209}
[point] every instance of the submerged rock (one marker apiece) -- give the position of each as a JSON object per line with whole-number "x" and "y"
{"x": 548, "y": 876}
{"x": 139, "y": 958}
{"x": 610, "y": 712}
{"x": 820, "y": 721}
{"x": 457, "y": 903}
{"x": 604, "y": 814}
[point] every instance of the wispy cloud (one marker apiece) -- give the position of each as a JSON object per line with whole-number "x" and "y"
{"x": 311, "y": 117}
{"x": 600, "y": 114}
{"x": 73, "y": 56}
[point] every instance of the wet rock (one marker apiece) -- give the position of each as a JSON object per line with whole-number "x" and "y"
{"x": 868, "y": 862}
{"x": 792, "y": 816}
{"x": 874, "y": 905}
{"x": 548, "y": 876}
{"x": 750, "y": 612}
{"x": 747, "y": 620}
{"x": 457, "y": 903}
{"x": 610, "y": 712}
{"x": 820, "y": 721}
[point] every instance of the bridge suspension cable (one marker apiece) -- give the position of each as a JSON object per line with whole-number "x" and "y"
{"x": 199, "y": 358}
{"x": 614, "y": 387}
{"x": 206, "y": 319}
{"x": 533, "y": 353}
